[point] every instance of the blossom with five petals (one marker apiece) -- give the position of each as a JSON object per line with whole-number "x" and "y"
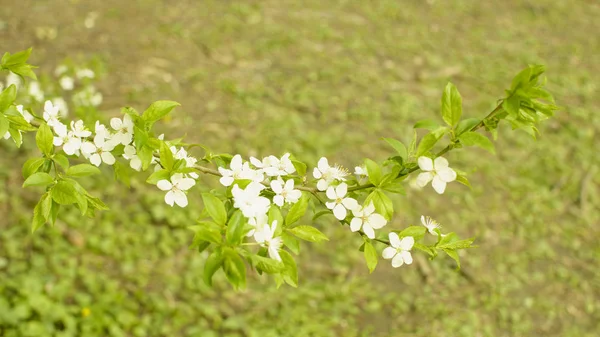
{"x": 367, "y": 219}
{"x": 399, "y": 251}
{"x": 436, "y": 171}
{"x": 340, "y": 202}
{"x": 176, "y": 188}
{"x": 265, "y": 237}
{"x": 328, "y": 174}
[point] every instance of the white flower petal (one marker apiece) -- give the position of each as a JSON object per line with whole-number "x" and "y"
{"x": 185, "y": 184}
{"x": 407, "y": 243}
{"x": 236, "y": 162}
{"x": 407, "y": 257}
{"x": 356, "y": 224}
{"x": 369, "y": 231}
{"x": 339, "y": 212}
{"x": 180, "y": 198}
{"x": 377, "y": 221}
{"x": 278, "y": 200}
{"x": 394, "y": 240}
{"x": 164, "y": 185}
{"x": 425, "y": 163}
{"x": 317, "y": 174}
{"x": 397, "y": 261}
{"x": 350, "y": 203}
{"x": 369, "y": 209}
{"x": 323, "y": 164}
{"x": 438, "y": 184}
{"x": 116, "y": 123}
{"x": 276, "y": 186}
{"x": 331, "y": 193}
{"x": 341, "y": 190}
{"x": 440, "y": 163}
{"x": 424, "y": 178}
{"x": 170, "y": 198}
{"x": 388, "y": 253}
{"x": 330, "y": 205}
{"x": 446, "y": 174}
{"x": 95, "y": 159}
{"x": 226, "y": 181}
{"x": 322, "y": 185}
{"x": 108, "y": 158}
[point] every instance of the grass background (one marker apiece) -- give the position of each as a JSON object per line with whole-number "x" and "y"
{"x": 318, "y": 78}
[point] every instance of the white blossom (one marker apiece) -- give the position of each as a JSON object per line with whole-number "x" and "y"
{"x": 176, "y": 188}
{"x": 239, "y": 170}
{"x": 368, "y": 220}
{"x": 35, "y": 91}
{"x": 102, "y": 133}
{"x": 249, "y": 200}
{"x": 328, "y": 174}
{"x": 399, "y": 251}
{"x": 51, "y": 114}
{"x": 68, "y": 139}
{"x": 123, "y": 130}
{"x": 361, "y": 171}
{"x": 62, "y": 106}
{"x": 431, "y": 225}
{"x": 189, "y": 160}
{"x": 79, "y": 129}
{"x": 275, "y": 167}
{"x": 265, "y": 237}
{"x": 67, "y": 83}
{"x": 130, "y": 153}
{"x": 85, "y": 73}
{"x": 340, "y": 202}
{"x": 98, "y": 151}
{"x": 257, "y": 223}
{"x": 436, "y": 170}
{"x": 285, "y": 193}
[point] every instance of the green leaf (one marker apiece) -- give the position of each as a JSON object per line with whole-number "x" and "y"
{"x": 399, "y": 147}
{"x": 458, "y": 244}
{"x": 370, "y": 256}
{"x": 122, "y": 173}
{"x": 145, "y": 154}
{"x": 466, "y": 125}
{"x": 374, "y": 172}
{"x": 23, "y": 70}
{"x": 234, "y": 268}
{"x": 235, "y": 228}
{"x": 291, "y": 242}
{"x": 207, "y": 231}
{"x": 414, "y": 231}
{"x": 454, "y": 255}
{"x": 300, "y": 167}
{"x": 463, "y": 180}
{"x": 477, "y": 139}
{"x": 44, "y": 139}
{"x": 166, "y": 157}
{"x": 308, "y": 233}
{"x": 64, "y": 193}
{"x": 82, "y": 170}
{"x": 38, "y": 179}
{"x": 290, "y": 274}
{"x": 61, "y": 160}
{"x": 17, "y": 58}
{"x": 427, "y": 143}
{"x": 451, "y": 105}
{"x": 4, "y": 125}
{"x": 267, "y": 265}
{"x": 297, "y": 211}
{"x": 430, "y": 251}
{"x": 7, "y": 97}
{"x": 31, "y": 166}
{"x": 215, "y": 208}
{"x": 157, "y": 176}
{"x": 383, "y": 204}
{"x": 38, "y": 218}
{"x": 426, "y": 124}
{"x": 16, "y": 136}
{"x": 213, "y": 263}
{"x": 275, "y": 215}
{"x": 158, "y": 110}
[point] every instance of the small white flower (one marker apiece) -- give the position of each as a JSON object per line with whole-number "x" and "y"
{"x": 176, "y": 188}
{"x": 340, "y": 203}
{"x": 79, "y": 129}
{"x": 123, "y": 130}
{"x": 285, "y": 193}
{"x": 70, "y": 142}
{"x": 368, "y": 220}
{"x": 51, "y": 113}
{"x": 67, "y": 83}
{"x": 275, "y": 167}
{"x": 62, "y": 106}
{"x": 265, "y": 238}
{"x": 239, "y": 170}
{"x": 431, "y": 225}
{"x": 130, "y": 153}
{"x": 98, "y": 151}
{"x": 85, "y": 73}
{"x": 328, "y": 174}
{"x": 361, "y": 171}
{"x": 249, "y": 201}
{"x": 399, "y": 251}
{"x": 189, "y": 160}
{"x": 35, "y": 91}
{"x": 102, "y": 133}
{"x": 436, "y": 170}
{"x": 257, "y": 223}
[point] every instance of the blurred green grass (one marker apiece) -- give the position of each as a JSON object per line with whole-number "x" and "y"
{"x": 319, "y": 78}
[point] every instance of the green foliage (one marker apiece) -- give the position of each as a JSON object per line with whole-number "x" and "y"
{"x": 308, "y": 233}
{"x": 451, "y": 105}
{"x": 370, "y": 256}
